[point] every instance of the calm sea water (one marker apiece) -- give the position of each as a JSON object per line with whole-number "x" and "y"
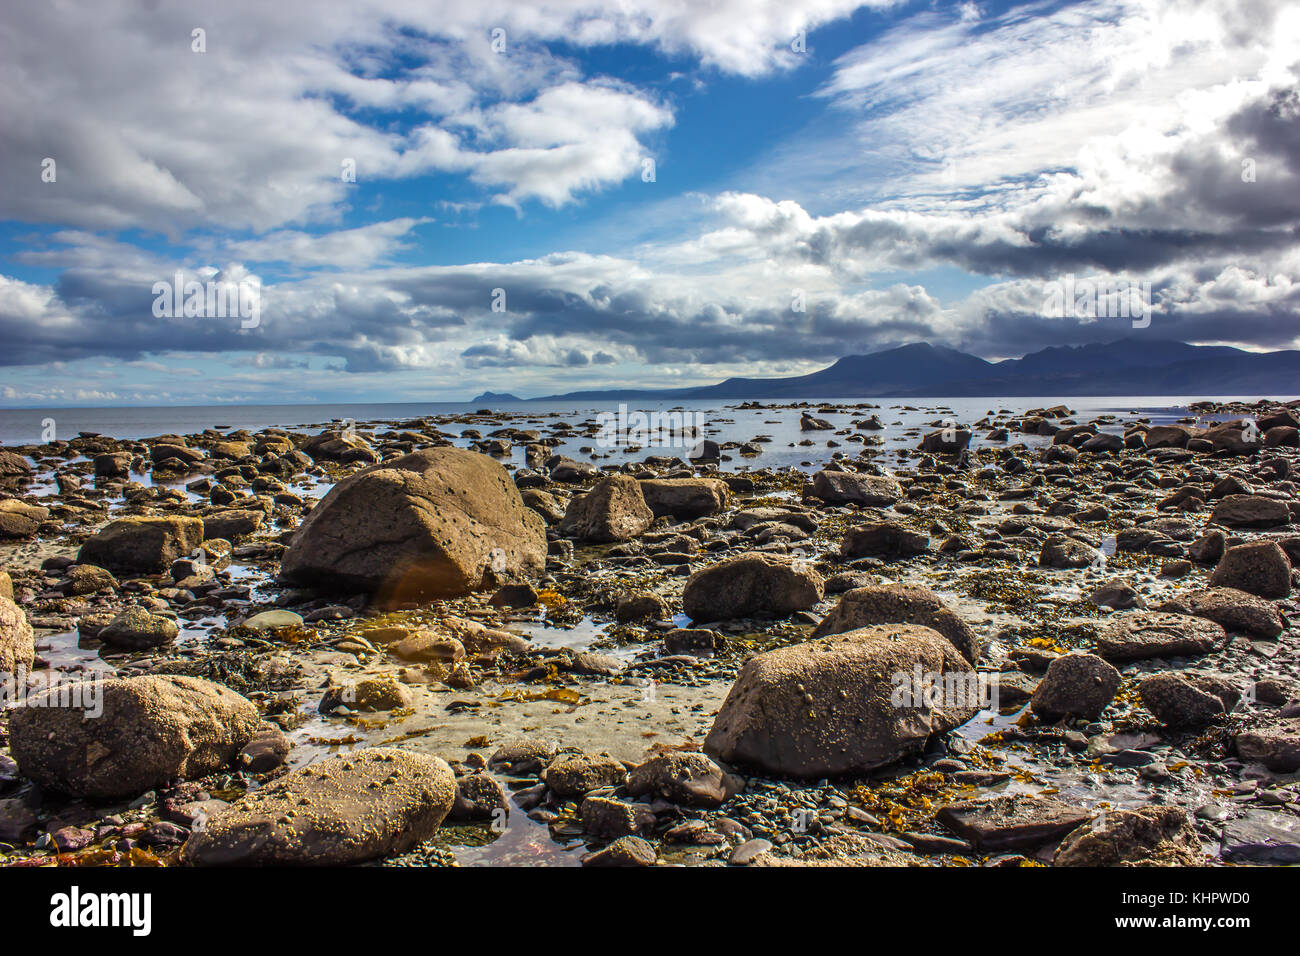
{"x": 725, "y": 420}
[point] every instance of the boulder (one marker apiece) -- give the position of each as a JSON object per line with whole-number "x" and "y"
{"x": 1262, "y": 836}
{"x": 19, "y": 519}
{"x": 136, "y": 629}
{"x": 367, "y": 694}
{"x": 17, "y": 641}
{"x": 1061, "y": 551}
{"x": 605, "y": 818}
{"x": 568, "y": 470}
{"x": 1183, "y": 701}
{"x": 693, "y": 641}
{"x": 120, "y": 737}
{"x": 1019, "y": 821}
{"x": 13, "y": 465}
{"x": 545, "y": 504}
{"x": 1103, "y": 443}
{"x": 614, "y": 510}
{"x": 843, "y": 487}
{"x": 1209, "y": 547}
{"x": 1169, "y": 436}
{"x": 479, "y": 796}
{"x": 350, "y": 808}
{"x": 681, "y": 777}
{"x": 232, "y": 524}
{"x": 574, "y": 775}
{"x": 625, "y": 851}
{"x": 948, "y": 441}
{"x": 341, "y": 446}
{"x": 685, "y": 498}
{"x": 1147, "y": 836}
{"x": 1250, "y": 511}
{"x": 1146, "y": 634}
{"x": 641, "y": 606}
{"x": 523, "y": 755}
{"x": 1273, "y": 742}
{"x": 1232, "y": 609}
{"x": 1256, "y": 567}
{"x": 113, "y": 465}
{"x": 1075, "y": 685}
{"x": 177, "y": 456}
{"x": 1237, "y": 438}
{"x": 1117, "y": 594}
{"x": 883, "y": 539}
{"x": 267, "y": 750}
{"x": 900, "y": 604}
{"x": 435, "y": 523}
{"x": 82, "y": 579}
{"x": 844, "y": 704}
{"x": 748, "y": 585}
{"x": 142, "y": 545}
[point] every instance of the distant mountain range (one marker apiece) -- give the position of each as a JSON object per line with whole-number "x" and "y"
{"x": 1134, "y": 366}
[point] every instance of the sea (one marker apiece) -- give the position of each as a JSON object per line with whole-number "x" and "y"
{"x": 721, "y": 420}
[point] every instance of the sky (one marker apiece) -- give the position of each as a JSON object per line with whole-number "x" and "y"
{"x": 420, "y": 200}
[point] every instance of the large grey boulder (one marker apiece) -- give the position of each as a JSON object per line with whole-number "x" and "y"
{"x": 843, "y": 704}
{"x": 1261, "y": 568}
{"x": 1075, "y": 685}
{"x": 751, "y": 584}
{"x": 440, "y": 522}
{"x": 844, "y": 487}
{"x": 613, "y": 510}
{"x": 685, "y": 498}
{"x": 119, "y": 738}
{"x": 899, "y": 604}
{"x": 17, "y": 641}
{"x": 350, "y": 808}
{"x": 142, "y": 545}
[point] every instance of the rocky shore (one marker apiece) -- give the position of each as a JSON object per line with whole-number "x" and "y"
{"x": 1025, "y": 640}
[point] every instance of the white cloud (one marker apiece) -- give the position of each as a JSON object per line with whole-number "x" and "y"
{"x": 251, "y": 134}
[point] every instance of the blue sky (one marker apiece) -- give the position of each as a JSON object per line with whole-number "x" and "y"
{"x": 904, "y": 170}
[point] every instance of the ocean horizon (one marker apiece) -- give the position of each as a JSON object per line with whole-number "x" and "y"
{"x": 28, "y": 425}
